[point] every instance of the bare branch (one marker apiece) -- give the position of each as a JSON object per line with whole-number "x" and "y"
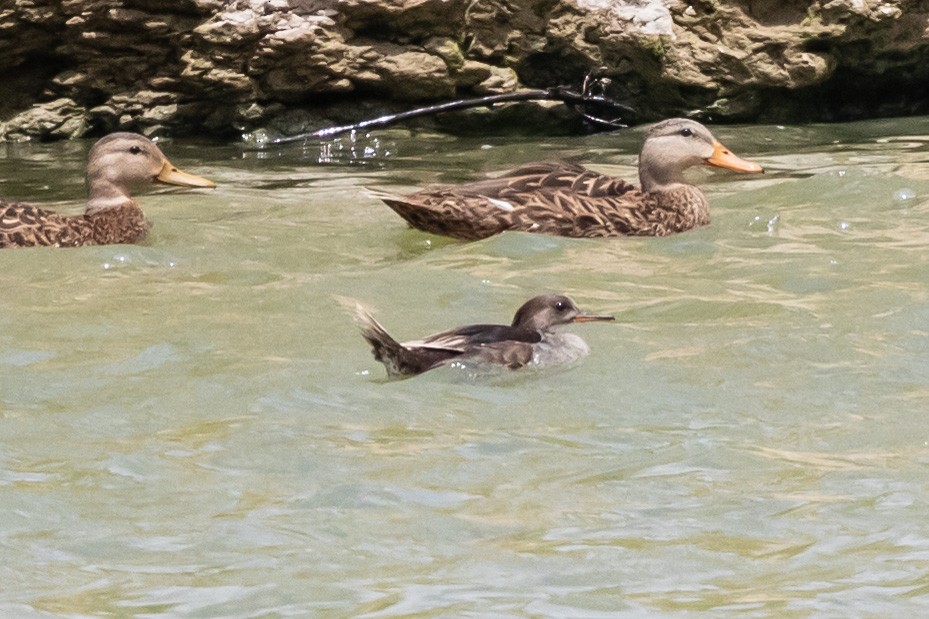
{"x": 578, "y": 100}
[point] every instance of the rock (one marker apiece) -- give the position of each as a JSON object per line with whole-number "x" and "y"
{"x": 647, "y": 17}
{"x": 446, "y": 49}
{"x": 500, "y": 80}
{"x": 58, "y": 119}
{"x": 71, "y": 67}
{"x": 414, "y": 76}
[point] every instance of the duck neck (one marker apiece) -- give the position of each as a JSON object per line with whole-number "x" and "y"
{"x": 656, "y": 175}
{"x": 103, "y": 194}
{"x": 653, "y": 181}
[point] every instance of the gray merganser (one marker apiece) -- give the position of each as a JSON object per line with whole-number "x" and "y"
{"x": 530, "y": 339}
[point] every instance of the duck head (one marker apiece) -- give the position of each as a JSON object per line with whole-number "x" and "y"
{"x": 674, "y": 145}
{"x": 544, "y": 312}
{"x": 123, "y": 163}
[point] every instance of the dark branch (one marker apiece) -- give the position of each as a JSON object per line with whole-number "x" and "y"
{"x": 579, "y": 100}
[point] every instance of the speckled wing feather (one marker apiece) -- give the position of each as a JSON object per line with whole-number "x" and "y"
{"x": 548, "y": 175}
{"x": 549, "y": 198}
{"x": 23, "y": 225}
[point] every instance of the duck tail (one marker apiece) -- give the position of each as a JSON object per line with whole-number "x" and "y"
{"x": 384, "y": 347}
{"x": 428, "y": 213}
{"x": 381, "y": 194}
{"x": 414, "y": 214}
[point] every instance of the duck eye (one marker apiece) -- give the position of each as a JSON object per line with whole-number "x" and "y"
{"x": 135, "y": 150}
{"x": 561, "y": 306}
{"x": 686, "y": 133}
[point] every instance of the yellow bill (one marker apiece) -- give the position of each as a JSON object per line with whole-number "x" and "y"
{"x": 174, "y": 176}
{"x": 724, "y": 158}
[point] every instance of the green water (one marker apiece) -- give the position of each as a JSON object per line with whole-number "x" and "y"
{"x": 195, "y": 428}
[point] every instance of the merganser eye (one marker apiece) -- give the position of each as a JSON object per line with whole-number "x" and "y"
{"x": 686, "y": 133}
{"x": 135, "y": 150}
{"x": 561, "y": 306}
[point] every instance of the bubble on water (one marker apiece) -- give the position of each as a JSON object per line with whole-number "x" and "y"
{"x": 904, "y": 194}
{"x": 773, "y": 224}
{"x": 115, "y": 261}
{"x": 139, "y": 257}
{"x": 354, "y": 148}
{"x": 769, "y": 223}
{"x": 844, "y": 226}
{"x": 256, "y": 139}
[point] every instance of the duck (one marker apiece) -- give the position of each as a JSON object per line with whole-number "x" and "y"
{"x": 565, "y": 199}
{"x": 118, "y": 165}
{"x": 530, "y": 339}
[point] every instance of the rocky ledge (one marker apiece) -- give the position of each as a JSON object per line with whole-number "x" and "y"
{"x": 70, "y": 68}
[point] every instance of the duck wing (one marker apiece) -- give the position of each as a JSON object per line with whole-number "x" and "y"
{"x": 467, "y": 338}
{"x": 24, "y": 225}
{"x": 549, "y": 197}
{"x": 486, "y": 344}
{"x": 548, "y": 175}
{"x": 511, "y": 354}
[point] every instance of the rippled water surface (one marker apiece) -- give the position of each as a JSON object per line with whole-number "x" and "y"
{"x": 194, "y": 427}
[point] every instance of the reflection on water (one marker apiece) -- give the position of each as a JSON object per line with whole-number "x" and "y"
{"x": 350, "y": 148}
{"x": 195, "y": 428}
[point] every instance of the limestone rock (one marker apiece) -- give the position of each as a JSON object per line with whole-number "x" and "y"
{"x": 71, "y": 67}
{"x": 58, "y": 119}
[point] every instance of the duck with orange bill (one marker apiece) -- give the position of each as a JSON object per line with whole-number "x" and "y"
{"x": 118, "y": 165}
{"x": 565, "y": 199}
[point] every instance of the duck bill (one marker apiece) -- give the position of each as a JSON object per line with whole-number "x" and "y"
{"x": 724, "y": 158}
{"x": 174, "y": 176}
{"x": 592, "y": 318}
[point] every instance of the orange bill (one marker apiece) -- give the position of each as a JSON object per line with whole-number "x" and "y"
{"x": 174, "y": 176}
{"x": 724, "y": 158}
{"x": 592, "y": 318}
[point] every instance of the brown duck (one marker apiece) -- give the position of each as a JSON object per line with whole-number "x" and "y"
{"x": 530, "y": 339}
{"x": 565, "y": 199}
{"x": 118, "y": 165}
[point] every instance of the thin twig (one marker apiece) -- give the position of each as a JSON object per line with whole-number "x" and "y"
{"x": 558, "y": 93}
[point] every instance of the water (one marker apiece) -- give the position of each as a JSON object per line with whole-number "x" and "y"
{"x": 195, "y": 428}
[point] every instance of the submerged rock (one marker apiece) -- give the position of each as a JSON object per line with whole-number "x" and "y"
{"x": 73, "y": 67}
